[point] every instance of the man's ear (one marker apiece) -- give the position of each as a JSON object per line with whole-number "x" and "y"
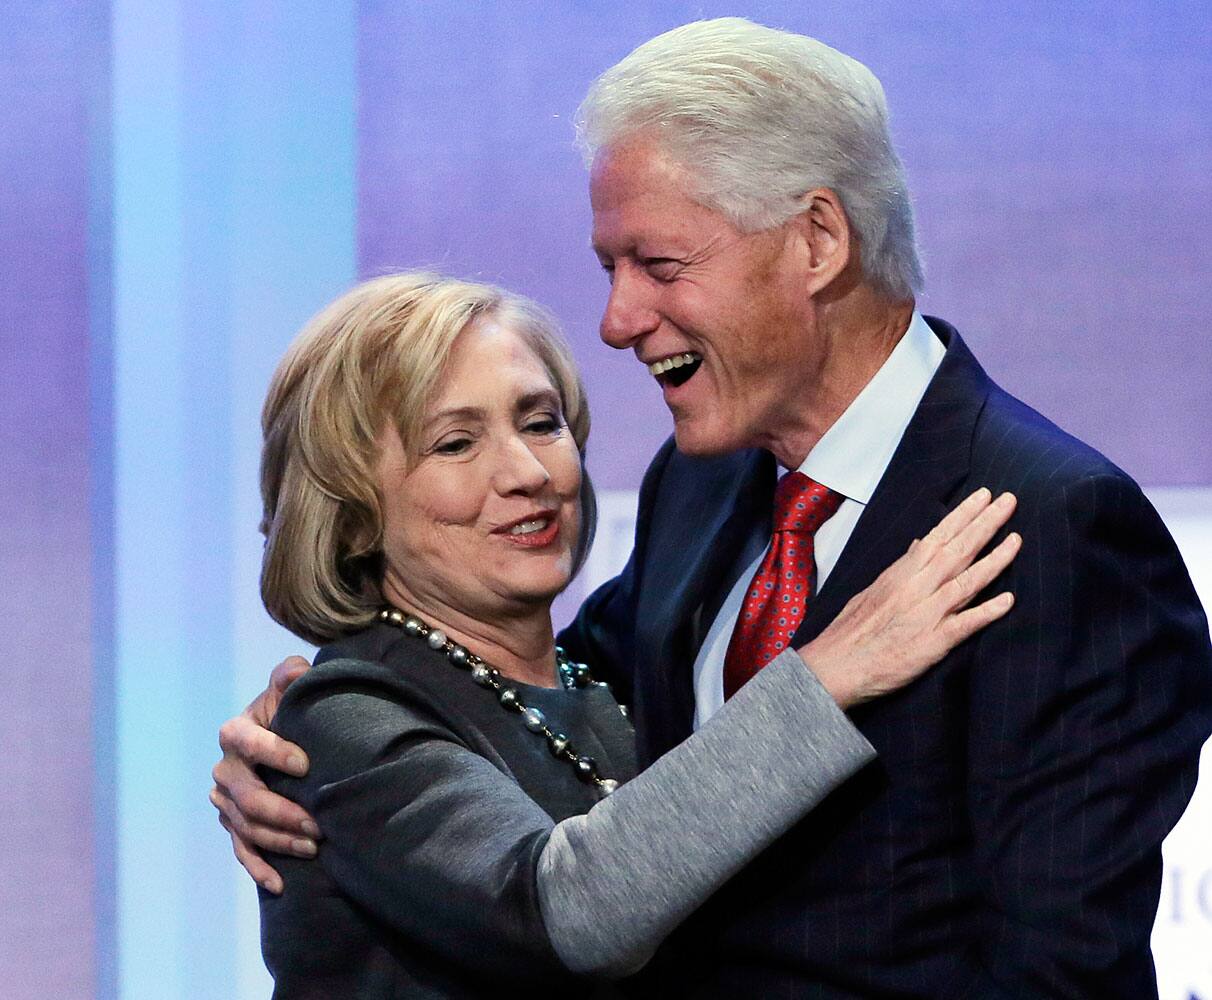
{"x": 827, "y": 236}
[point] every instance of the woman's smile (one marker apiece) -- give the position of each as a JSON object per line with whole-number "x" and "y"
{"x": 532, "y": 531}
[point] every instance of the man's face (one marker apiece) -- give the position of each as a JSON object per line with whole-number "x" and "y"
{"x": 720, "y": 317}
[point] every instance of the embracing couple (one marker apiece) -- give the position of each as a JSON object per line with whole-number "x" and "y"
{"x": 803, "y": 809}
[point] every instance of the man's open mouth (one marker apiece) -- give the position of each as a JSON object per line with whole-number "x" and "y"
{"x": 676, "y": 370}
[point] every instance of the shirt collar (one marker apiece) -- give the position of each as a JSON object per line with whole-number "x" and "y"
{"x": 853, "y": 454}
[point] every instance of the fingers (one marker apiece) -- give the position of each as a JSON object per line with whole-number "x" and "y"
{"x": 254, "y": 803}
{"x": 960, "y": 518}
{"x": 263, "y": 826}
{"x": 950, "y": 558}
{"x": 287, "y": 672}
{"x": 262, "y": 873}
{"x": 256, "y": 818}
{"x": 980, "y": 530}
{"x": 253, "y": 744}
{"x": 957, "y": 592}
{"x": 967, "y": 623}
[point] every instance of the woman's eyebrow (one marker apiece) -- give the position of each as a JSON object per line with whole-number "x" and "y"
{"x": 528, "y": 400}
{"x": 455, "y": 413}
{"x": 533, "y": 398}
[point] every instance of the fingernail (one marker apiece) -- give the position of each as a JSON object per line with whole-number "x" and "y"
{"x": 1006, "y": 499}
{"x": 273, "y": 885}
{"x": 296, "y": 763}
{"x": 304, "y": 848}
{"x": 310, "y": 828}
{"x": 1006, "y": 599}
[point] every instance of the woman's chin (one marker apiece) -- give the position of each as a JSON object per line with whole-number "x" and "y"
{"x": 537, "y": 587}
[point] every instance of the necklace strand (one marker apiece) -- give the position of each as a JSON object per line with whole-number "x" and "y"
{"x": 572, "y": 675}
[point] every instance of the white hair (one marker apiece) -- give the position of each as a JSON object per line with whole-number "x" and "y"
{"x": 758, "y": 118}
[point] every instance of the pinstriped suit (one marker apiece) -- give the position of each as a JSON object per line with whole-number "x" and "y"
{"x": 1006, "y": 842}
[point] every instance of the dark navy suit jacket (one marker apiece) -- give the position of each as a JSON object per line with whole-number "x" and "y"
{"x": 1006, "y": 842}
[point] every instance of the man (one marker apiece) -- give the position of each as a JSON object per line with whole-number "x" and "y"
{"x": 754, "y": 220}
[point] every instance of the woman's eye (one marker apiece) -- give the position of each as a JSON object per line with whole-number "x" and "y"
{"x": 543, "y": 425}
{"x": 452, "y": 446}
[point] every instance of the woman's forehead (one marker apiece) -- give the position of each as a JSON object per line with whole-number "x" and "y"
{"x": 490, "y": 358}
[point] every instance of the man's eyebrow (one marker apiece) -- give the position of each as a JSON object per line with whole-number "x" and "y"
{"x": 598, "y": 249}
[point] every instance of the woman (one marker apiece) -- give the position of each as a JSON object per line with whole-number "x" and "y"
{"x": 425, "y": 501}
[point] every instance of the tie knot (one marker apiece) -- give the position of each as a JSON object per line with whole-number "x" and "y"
{"x": 800, "y": 504}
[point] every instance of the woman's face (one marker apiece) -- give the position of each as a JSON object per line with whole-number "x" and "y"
{"x": 483, "y": 523}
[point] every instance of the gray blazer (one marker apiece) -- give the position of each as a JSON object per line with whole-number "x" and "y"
{"x": 461, "y": 859}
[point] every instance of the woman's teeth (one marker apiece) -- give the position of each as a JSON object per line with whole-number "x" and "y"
{"x": 668, "y": 364}
{"x": 529, "y": 527}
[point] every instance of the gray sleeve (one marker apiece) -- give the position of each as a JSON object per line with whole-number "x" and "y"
{"x": 613, "y": 883}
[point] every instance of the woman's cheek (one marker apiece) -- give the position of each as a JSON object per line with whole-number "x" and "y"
{"x": 570, "y": 468}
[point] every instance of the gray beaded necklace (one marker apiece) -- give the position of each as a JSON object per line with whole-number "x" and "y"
{"x": 572, "y": 675}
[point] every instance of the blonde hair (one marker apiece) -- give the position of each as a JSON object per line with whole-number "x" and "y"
{"x": 759, "y": 117}
{"x": 372, "y": 356}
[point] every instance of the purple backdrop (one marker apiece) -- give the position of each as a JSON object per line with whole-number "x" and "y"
{"x": 1060, "y": 158}
{"x": 49, "y": 290}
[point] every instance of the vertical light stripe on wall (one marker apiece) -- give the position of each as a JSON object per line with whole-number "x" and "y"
{"x": 150, "y": 454}
{"x": 98, "y": 70}
{"x": 233, "y": 144}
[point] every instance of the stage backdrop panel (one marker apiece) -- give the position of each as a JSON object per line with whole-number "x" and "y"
{"x": 185, "y": 184}
{"x": 55, "y": 899}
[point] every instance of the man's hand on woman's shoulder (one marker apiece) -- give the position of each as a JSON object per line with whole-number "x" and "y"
{"x": 257, "y": 819}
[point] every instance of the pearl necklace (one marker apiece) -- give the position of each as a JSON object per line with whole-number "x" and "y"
{"x": 572, "y": 675}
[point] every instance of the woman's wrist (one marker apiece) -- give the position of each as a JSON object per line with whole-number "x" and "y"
{"x": 837, "y": 681}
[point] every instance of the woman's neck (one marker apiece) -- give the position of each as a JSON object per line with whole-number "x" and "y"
{"x": 520, "y": 645}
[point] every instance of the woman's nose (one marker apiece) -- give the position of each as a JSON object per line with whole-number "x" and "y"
{"x": 519, "y": 469}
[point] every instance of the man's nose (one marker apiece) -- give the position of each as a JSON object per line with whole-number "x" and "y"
{"x": 518, "y": 468}
{"x": 629, "y": 314}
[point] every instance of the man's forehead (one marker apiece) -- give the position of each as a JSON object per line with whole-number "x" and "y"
{"x": 639, "y": 192}
{"x": 634, "y": 166}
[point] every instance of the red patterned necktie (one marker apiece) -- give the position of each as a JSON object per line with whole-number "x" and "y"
{"x": 784, "y": 582}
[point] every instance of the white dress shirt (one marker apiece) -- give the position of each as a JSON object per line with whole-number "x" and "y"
{"x": 850, "y": 459}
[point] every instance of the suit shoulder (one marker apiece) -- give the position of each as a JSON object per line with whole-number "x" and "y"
{"x": 370, "y": 672}
{"x": 373, "y": 655}
{"x": 347, "y": 712}
{"x": 339, "y": 673}
{"x": 1015, "y": 447}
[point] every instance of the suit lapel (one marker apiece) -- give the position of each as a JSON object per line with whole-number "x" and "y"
{"x": 702, "y": 528}
{"x": 720, "y": 509}
{"x": 743, "y": 530}
{"x": 917, "y": 488}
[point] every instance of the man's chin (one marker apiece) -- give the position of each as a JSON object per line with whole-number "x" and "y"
{"x": 698, "y": 441}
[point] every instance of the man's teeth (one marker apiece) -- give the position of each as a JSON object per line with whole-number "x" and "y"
{"x": 666, "y": 364}
{"x": 529, "y": 527}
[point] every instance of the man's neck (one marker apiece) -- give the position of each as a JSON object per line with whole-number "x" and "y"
{"x": 860, "y": 332}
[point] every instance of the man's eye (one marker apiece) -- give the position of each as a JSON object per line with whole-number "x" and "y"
{"x": 662, "y": 268}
